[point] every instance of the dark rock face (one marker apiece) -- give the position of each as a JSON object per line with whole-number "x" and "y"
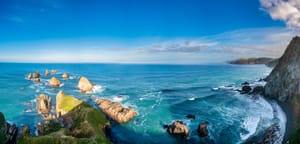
{"x": 258, "y": 90}
{"x": 283, "y": 83}
{"x": 246, "y": 89}
{"x": 178, "y": 128}
{"x": 202, "y": 129}
{"x": 8, "y": 132}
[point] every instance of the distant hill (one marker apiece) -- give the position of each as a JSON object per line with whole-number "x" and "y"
{"x": 271, "y": 62}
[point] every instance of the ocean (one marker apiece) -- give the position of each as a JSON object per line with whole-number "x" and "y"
{"x": 159, "y": 93}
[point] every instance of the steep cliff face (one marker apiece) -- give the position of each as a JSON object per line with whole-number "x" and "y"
{"x": 283, "y": 84}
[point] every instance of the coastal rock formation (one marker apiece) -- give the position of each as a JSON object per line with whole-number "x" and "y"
{"x": 283, "y": 83}
{"x": 191, "y": 116}
{"x": 29, "y": 76}
{"x": 250, "y": 61}
{"x": 246, "y": 88}
{"x": 8, "y": 132}
{"x": 115, "y": 110}
{"x": 54, "y": 82}
{"x": 36, "y": 75}
{"x": 82, "y": 124}
{"x": 65, "y": 103}
{"x": 84, "y": 85}
{"x": 65, "y": 76}
{"x": 37, "y": 80}
{"x": 43, "y": 104}
{"x": 202, "y": 129}
{"x": 258, "y": 90}
{"x": 46, "y": 73}
{"x": 178, "y": 128}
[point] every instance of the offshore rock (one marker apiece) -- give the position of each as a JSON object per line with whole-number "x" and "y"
{"x": 65, "y": 76}
{"x": 202, "y": 129}
{"x": 178, "y": 128}
{"x": 54, "y": 82}
{"x": 46, "y": 73}
{"x": 84, "y": 85}
{"x": 115, "y": 110}
{"x": 43, "y": 104}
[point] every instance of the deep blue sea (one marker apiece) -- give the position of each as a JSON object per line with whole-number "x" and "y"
{"x": 159, "y": 93}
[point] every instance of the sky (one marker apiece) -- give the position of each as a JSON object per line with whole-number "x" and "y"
{"x": 145, "y": 31}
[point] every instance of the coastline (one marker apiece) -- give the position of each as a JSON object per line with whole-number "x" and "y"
{"x": 290, "y": 120}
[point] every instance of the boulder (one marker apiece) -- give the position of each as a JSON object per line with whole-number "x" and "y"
{"x": 246, "y": 89}
{"x": 43, "y": 104}
{"x": 178, "y": 128}
{"x": 202, "y": 129}
{"x": 36, "y": 75}
{"x": 258, "y": 90}
{"x": 65, "y": 76}
{"x": 37, "y": 80}
{"x": 46, "y": 73}
{"x": 115, "y": 110}
{"x": 54, "y": 82}
{"x": 29, "y": 76}
{"x": 84, "y": 85}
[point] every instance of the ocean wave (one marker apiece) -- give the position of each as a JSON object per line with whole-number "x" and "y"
{"x": 250, "y": 125}
{"x": 181, "y": 89}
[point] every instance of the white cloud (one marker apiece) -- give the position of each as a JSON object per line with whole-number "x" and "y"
{"x": 284, "y": 10}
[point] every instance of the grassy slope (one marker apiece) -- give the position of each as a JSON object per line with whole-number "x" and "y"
{"x": 86, "y": 129}
{"x": 67, "y": 103}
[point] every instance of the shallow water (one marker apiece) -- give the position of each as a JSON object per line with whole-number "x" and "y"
{"x": 159, "y": 93}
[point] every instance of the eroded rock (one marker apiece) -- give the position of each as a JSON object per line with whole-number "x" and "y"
{"x": 54, "y": 82}
{"x": 178, "y": 128}
{"x": 84, "y": 85}
{"x": 115, "y": 110}
{"x": 43, "y": 104}
{"x": 65, "y": 76}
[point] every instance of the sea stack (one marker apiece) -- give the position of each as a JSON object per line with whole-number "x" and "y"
{"x": 84, "y": 85}
{"x": 283, "y": 83}
{"x": 43, "y": 104}
{"x": 46, "y": 73}
{"x": 65, "y": 76}
{"x": 54, "y": 82}
{"x": 178, "y": 128}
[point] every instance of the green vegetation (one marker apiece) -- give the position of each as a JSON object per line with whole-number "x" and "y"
{"x": 84, "y": 125}
{"x": 67, "y": 103}
{"x": 294, "y": 138}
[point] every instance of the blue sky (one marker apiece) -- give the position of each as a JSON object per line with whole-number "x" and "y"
{"x": 140, "y": 31}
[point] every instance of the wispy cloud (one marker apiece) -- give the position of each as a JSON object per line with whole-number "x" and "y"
{"x": 284, "y": 10}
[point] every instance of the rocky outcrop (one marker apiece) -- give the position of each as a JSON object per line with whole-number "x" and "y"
{"x": 84, "y": 85}
{"x": 202, "y": 129}
{"x": 191, "y": 116}
{"x": 258, "y": 90}
{"x": 36, "y": 75}
{"x": 271, "y": 62}
{"x": 178, "y": 128}
{"x": 115, "y": 110}
{"x": 65, "y": 76}
{"x": 43, "y": 104}
{"x": 65, "y": 103}
{"x": 47, "y": 73}
{"x": 29, "y": 76}
{"x": 8, "y": 132}
{"x": 246, "y": 88}
{"x": 283, "y": 83}
{"x": 37, "y": 80}
{"x": 54, "y": 82}
{"x": 53, "y": 72}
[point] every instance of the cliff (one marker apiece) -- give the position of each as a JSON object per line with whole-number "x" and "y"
{"x": 250, "y": 61}
{"x": 283, "y": 84}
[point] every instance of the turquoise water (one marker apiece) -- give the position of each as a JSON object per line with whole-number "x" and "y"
{"x": 159, "y": 93}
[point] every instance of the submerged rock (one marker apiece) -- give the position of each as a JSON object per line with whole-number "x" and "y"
{"x": 65, "y": 76}
{"x": 43, "y": 104}
{"x": 178, "y": 128}
{"x": 190, "y": 116}
{"x": 54, "y": 82}
{"x": 202, "y": 129}
{"x": 84, "y": 85}
{"x": 115, "y": 110}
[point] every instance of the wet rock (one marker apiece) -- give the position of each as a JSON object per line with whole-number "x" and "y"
{"x": 54, "y": 82}
{"x": 65, "y": 76}
{"x": 84, "y": 85}
{"x": 202, "y": 129}
{"x": 190, "y": 116}
{"x": 46, "y": 73}
{"x": 178, "y": 128}
{"x": 29, "y": 76}
{"x": 258, "y": 90}
{"x": 8, "y": 132}
{"x": 37, "y": 80}
{"x": 43, "y": 104}
{"x": 115, "y": 110}
{"x": 36, "y": 75}
{"x": 245, "y": 83}
{"x": 246, "y": 89}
